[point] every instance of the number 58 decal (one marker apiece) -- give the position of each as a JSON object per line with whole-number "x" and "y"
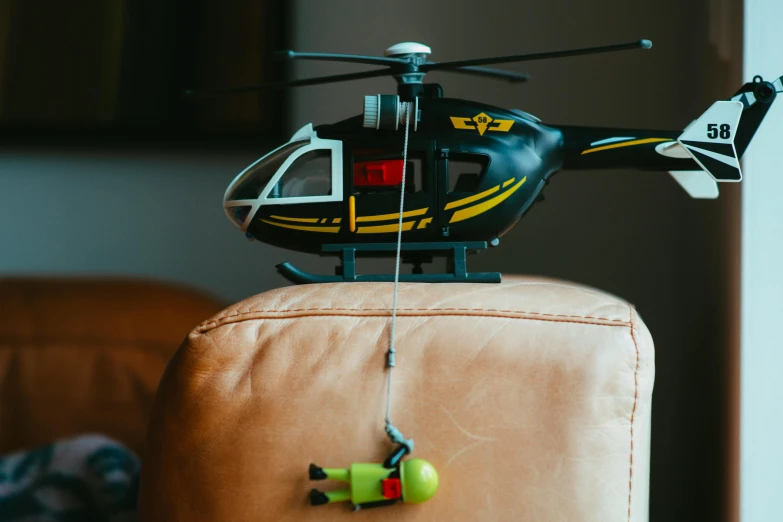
{"x": 713, "y": 131}
{"x": 709, "y": 140}
{"x": 718, "y": 125}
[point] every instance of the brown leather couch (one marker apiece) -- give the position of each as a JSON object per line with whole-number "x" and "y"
{"x": 531, "y": 398}
{"x": 82, "y": 355}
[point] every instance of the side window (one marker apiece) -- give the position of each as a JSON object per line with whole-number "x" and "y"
{"x": 377, "y": 172}
{"x": 466, "y": 171}
{"x": 309, "y": 175}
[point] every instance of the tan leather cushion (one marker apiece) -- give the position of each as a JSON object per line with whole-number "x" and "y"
{"x": 86, "y": 355}
{"x": 531, "y": 398}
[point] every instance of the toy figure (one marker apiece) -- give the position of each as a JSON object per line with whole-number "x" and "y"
{"x": 371, "y": 485}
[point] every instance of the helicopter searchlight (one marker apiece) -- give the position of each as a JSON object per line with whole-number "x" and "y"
{"x": 384, "y": 111}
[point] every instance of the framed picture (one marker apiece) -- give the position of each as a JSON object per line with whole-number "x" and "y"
{"x": 119, "y": 68}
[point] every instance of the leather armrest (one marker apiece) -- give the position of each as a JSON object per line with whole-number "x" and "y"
{"x": 531, "y": 398}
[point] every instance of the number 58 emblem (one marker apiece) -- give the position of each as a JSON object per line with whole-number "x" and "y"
{"x": 481, "y": 122}
{"x": 714, "y": 131}
{"x": 709, "y": 141}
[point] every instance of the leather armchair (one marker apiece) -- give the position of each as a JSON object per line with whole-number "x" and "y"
{"x": 531, "y": 398}
{"x": 85, "y": 355}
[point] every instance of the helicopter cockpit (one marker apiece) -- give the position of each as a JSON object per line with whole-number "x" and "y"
{"x": 307, "y": 169}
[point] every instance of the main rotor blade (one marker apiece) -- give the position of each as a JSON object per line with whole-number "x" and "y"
{"x": 293, "y": 83}
{"x": 510, "y": 76}
{"x": 348, "y": 58}
{"x": 641, "y": 44}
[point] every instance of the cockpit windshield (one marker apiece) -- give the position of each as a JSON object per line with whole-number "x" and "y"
{"x": 257, "y": 176}
{"x": 307, "y": 169}
{"x": 309, "y": 175}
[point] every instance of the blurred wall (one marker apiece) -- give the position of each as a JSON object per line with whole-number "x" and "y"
{"x": 634, "y": 234}
{"x": 129, "y": 211}
{"x": 761, "y": 455}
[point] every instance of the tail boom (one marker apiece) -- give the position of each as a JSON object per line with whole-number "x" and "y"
{"x": 708, "y": 151}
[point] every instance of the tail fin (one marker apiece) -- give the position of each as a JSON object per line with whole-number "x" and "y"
{"x": 697, "y": 183}
{"x": 719, "y": 138}
{"x": 710, "y": 140}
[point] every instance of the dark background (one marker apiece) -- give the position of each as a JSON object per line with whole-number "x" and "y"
{"x": 97, "y": 69}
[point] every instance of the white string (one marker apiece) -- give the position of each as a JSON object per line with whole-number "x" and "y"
{"x": 394, "y": 434}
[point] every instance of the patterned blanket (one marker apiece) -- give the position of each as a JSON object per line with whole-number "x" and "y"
{"x": 85, "y": 479}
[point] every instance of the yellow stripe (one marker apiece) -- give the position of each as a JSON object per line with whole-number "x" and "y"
{"x": 330, "y": 230}
{"x": 337, "y": 220}
{"x": 385, "y": 217}
{"x": 352, "y": 214}
{"x": 475, "y": 210}
{"x": 625, "y": 144}
{"x": 471, "y": 199}
{"x": 298, "y": 220}
{"x": 379, "y": 229}
{"x": 508, "y": 182}
{"x": 424, "y": 222}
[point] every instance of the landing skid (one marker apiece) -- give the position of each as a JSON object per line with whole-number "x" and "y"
{"x": 455, "y": 252}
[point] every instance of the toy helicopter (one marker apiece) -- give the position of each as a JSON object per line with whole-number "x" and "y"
{"x": 472, "y": 170}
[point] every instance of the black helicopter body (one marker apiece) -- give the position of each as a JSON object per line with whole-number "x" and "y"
{"x": 507, "y": 170}
{"x": 471, "y": 171}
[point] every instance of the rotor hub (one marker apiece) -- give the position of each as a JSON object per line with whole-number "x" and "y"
{"x": 415, "y": 54}
{"x": 403, "y": 49}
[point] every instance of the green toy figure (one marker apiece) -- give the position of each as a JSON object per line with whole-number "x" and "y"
{"x": 372, "y": 485}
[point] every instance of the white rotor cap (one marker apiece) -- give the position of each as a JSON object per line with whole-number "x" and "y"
{"x": 404, "y": 48}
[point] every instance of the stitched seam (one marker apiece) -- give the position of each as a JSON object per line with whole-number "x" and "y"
{"x": 633, "y": 411}
{"x": 227, "y": 319}
{"x": 206, "y": 328}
